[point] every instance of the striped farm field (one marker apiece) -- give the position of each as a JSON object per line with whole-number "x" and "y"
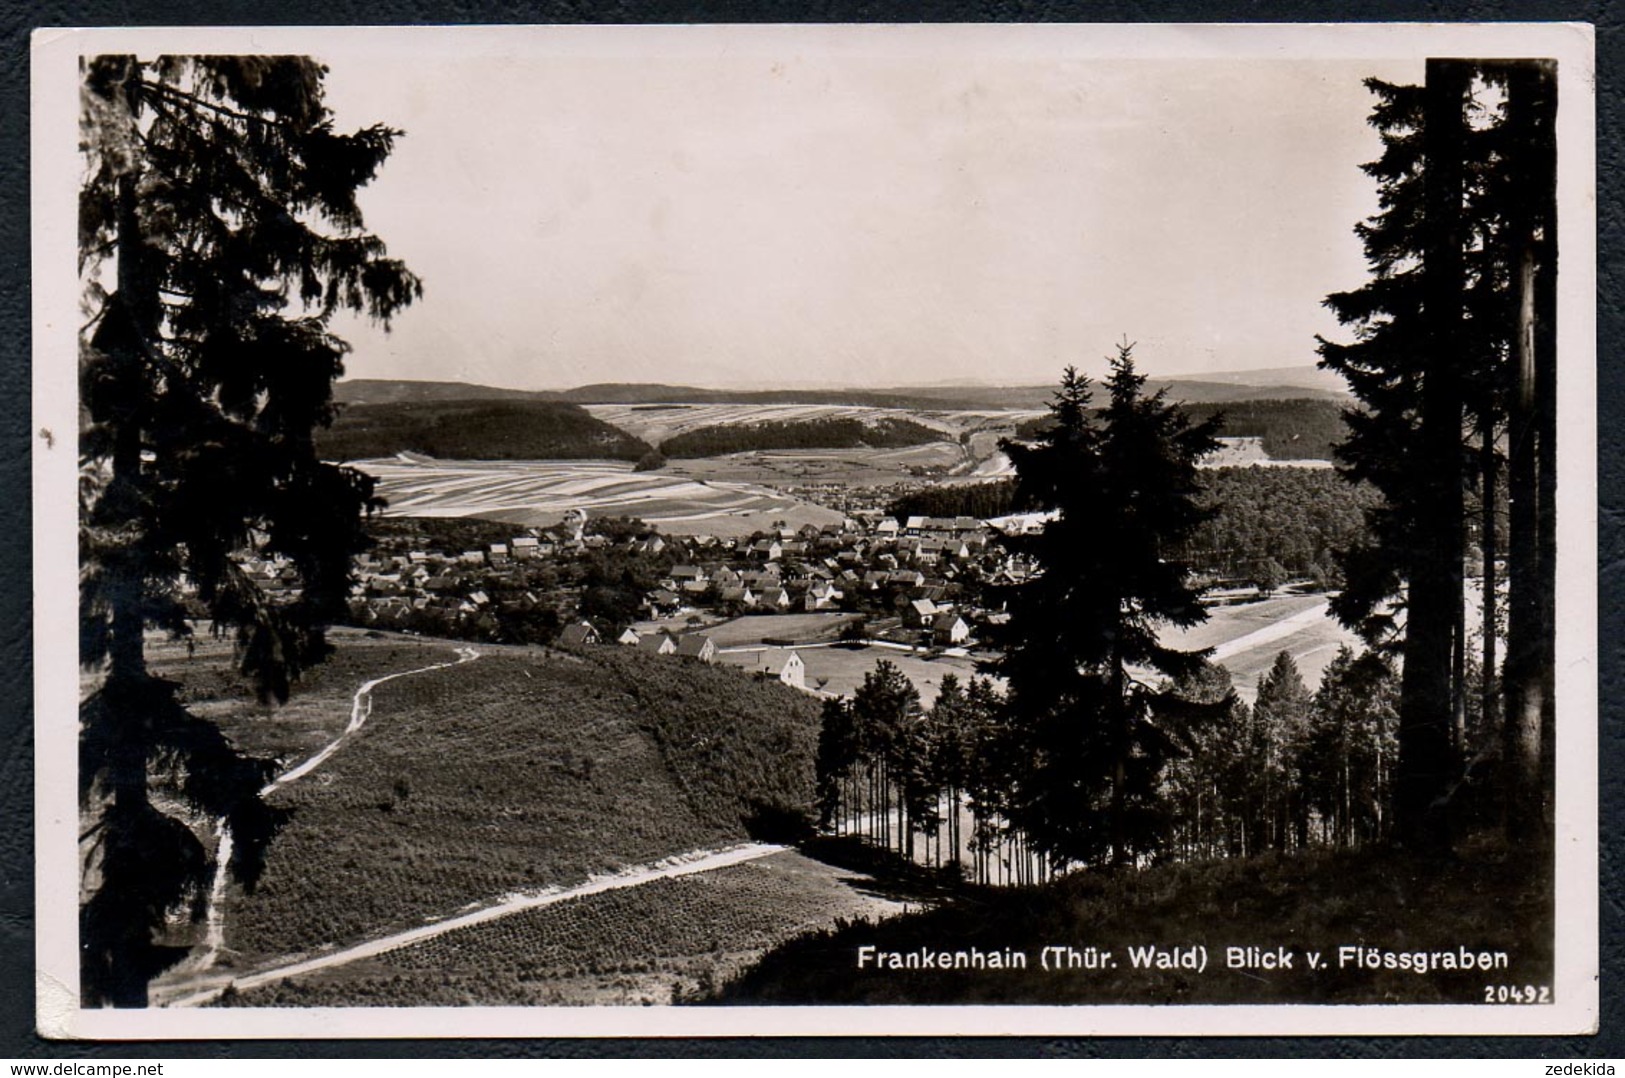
{"x": 540, "y": 493}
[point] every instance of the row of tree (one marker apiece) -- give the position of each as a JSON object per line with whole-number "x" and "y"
{"x": 1293, "y": 770}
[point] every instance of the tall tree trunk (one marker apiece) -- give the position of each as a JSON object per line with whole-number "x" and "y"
{"x": 1489, "y": 479}
{"x": 1531, "y": 555}
{"x": 121, "y": 933}
{"x": 1116, "y": 713}
{"x": 138, "y": 310}
{"x": 1427, "y": 691}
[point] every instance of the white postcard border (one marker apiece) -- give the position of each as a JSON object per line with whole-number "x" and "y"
{"x": 56, "y": 168}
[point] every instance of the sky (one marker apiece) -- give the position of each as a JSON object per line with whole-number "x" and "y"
{"x": 851, "y": 208}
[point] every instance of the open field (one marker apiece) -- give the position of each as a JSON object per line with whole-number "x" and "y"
{"x": 522, "y": 769}
{"x": 637, "y": 945}
{"x": 1248, "y": 636}
{"x": 839, "y": 669}
{"x": 796, "y": 628}
{"x": 541, "y": 493}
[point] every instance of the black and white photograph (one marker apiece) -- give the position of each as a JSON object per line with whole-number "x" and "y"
{"x": 761, "y": 530}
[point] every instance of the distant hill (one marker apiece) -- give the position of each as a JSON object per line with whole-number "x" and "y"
{"x": 399, "y": 390}
{"x": 1221, "y": 388}
{"x": 1300, "y": 377}
{"x": 1290, "y": 429}
{"x": 475, "y": 429}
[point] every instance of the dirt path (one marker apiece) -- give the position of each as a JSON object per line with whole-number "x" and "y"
{"x": 681, "y": 865}
{"x": 360, "y": 712}
{"x": 214, "y": 918}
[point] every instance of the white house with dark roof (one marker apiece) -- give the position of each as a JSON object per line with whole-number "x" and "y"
{"x": 787, "y": 667}
{"x": 950, "y": 629}
{"x": 579, "y": 634}
{"x": 697, "y": 646}
{"x": 658, "y": 644}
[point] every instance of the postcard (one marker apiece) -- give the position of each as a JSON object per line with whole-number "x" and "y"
{"x": 602, "y": 531}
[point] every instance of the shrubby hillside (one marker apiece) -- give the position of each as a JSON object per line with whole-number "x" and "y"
{"x": 476, "y": 430}
{"x": 523, "y": 769}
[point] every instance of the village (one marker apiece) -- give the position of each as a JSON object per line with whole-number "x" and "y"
{"x": 919, "y": 586}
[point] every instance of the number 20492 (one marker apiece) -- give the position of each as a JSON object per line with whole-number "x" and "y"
{"x": 1513, "y": 993}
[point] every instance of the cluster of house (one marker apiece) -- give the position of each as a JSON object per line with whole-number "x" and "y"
{"x": 784, "y": 665}
{"x": 926, "y": 571}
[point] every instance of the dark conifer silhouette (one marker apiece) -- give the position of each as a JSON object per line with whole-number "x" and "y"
{"x": 1452, "y": 363}
{"x": 1092, "y": 736}
{"x": 219, "y": 233}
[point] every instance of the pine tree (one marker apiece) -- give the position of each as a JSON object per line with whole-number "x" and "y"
{"x": 1352, "y": 748}
{"x": 1282, "y": 712}
{"x": 219, "y": 234}
{"x": 886, "y": 707}
{"x": 837, "y": 754}
{"x": 1452, "y": 362}
{"x": 1124, "y": 487}
{"x": 1197, "y": 784}
{"x": 953, "y": 741}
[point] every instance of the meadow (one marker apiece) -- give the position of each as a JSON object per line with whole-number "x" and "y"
{"x": 789, "y": 628}
{"x": 1248, "y": 636}
{"x": 839, "y": 669}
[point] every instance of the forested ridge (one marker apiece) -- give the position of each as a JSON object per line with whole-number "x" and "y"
{"x": 476, "y": 430}
{"x": 1302, "y": 429}
{"x": 993, "y": 498}
{"x": 882, "y": 432}
{"x": 1261, "y": 522}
